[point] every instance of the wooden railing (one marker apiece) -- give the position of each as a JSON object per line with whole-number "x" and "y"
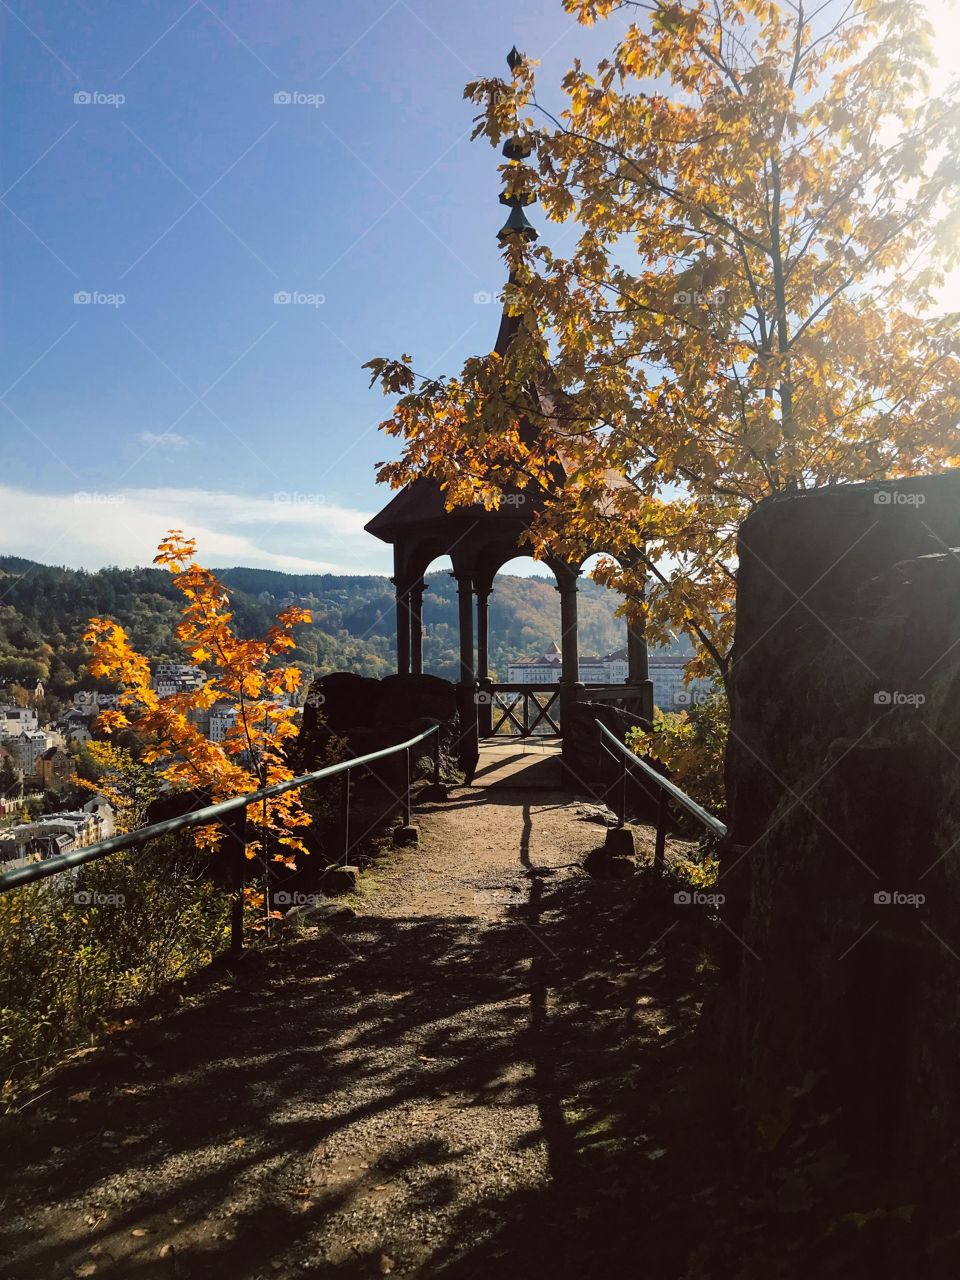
{"x": 628, "y": 697}
{"x": 533, "y": 710}
{"x": 521, "y": 710}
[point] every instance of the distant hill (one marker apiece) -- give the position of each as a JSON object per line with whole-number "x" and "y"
{"x": 44, "y": 610}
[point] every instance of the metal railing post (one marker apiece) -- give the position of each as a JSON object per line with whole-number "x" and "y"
{"x": 622, "y": 807}
{"x": 436, "y": 759}
{"x": 345, "y": 815}
{"x": 235, "y": 826}
{"x": 661, "y": 845}
{"x": 407, "y": 820}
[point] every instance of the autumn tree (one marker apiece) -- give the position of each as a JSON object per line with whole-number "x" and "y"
{"x": 248, "y": 675}
{"x": 764, "y": 201}
{"x": 126, "y": 783}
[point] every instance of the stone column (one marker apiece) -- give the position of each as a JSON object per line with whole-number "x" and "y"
{"x": 570, "y": 685}
{"x": 469, "y": 750}
{"x": 569, "y": 643}
{"x": 485, "y": 688}
{"x": 483, "y": 633}
{"x": 416, "y": 627}
{"x": 638, "y": 668}
{"x": 403, "y": 628}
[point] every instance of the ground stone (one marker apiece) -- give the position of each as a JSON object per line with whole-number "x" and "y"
{"x": 338, "y": 880}
{"x": 602, "y": 864}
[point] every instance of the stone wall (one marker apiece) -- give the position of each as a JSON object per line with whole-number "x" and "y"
{"x": 372, "y": 714}
{"x": 590, "y": 768}
{"x": 844, "y": 791}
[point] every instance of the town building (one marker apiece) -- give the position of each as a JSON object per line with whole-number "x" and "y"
{"x": 546, "y": 669}
{"x": 92, "y": 701}
{"x": 56, "y": 768}
{"x": 670, "y": 692}
{"x": 15, "y": 721}
{"x": 29, "y": 842}
{"x": 27, "y": 748}
{"x": 176, "y": 677}
{"x": 75, "y": 726}
{"x": 222, "y": 719}
{"x": 104, "y": 816}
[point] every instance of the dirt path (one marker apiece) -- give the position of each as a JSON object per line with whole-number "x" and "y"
{"x": 471, "y": 1077}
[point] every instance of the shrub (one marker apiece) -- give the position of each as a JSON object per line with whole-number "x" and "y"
{"x": 76, "y": 949}
{"x": 692, "y": 745}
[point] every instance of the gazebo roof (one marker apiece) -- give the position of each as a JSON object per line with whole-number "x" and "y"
{"x": 421, "y": 503}
{"x": 417, "y": 515}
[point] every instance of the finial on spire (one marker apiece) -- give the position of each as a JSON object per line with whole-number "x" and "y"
{"x": 516, "y": 149}
{"x": 517, "y": 224}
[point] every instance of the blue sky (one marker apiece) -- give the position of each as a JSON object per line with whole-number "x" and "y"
{"x": 197, "y": 401}
{"x": 182, "y": 187}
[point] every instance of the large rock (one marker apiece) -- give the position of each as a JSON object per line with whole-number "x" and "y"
{"x": 589, "y": 765}
{"x": 373, "y": 714}
{"x": 843, "y": 781}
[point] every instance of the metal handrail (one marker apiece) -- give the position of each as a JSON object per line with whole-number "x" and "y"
{"x": 234, "y": 808}
{"x": 668, "y": 790}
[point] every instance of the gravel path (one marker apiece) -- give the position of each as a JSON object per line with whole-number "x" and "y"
{"x": 446, "y": 1084}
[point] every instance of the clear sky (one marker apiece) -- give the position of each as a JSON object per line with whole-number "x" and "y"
{"x": 145, "y": 164}
{"x": 197, "y": 400}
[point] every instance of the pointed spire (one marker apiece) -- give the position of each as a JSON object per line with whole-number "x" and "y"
{"x": 516, "y": 149}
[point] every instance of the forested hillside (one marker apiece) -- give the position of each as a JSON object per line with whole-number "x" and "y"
{"x": 43, "y": 612}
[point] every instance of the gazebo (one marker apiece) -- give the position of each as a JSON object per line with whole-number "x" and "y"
{"x": 420, "y": 528}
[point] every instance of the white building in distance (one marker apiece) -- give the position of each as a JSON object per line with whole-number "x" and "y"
{"x": 27, "y": 748}
{"x": 176, "y": 677}
{"x": 222, "y": 719}
{"x": 15, "y": 721}
{"x": 666, "y": 673}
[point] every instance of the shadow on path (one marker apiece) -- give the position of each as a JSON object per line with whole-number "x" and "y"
{"x": 422, "y": 1094}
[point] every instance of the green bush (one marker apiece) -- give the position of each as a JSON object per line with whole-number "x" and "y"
{"x": 692, "y": 744}
{"x": 75, "y": 951}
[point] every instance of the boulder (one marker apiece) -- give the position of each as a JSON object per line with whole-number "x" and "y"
{"x": 339, "y": 879}
{"x": 591, "y": 768}
{"x": 320, "y": 913}
{"x": 606, "y": 864}
{"x": 374, "y": 714}
{"x": 842, "y": 870}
